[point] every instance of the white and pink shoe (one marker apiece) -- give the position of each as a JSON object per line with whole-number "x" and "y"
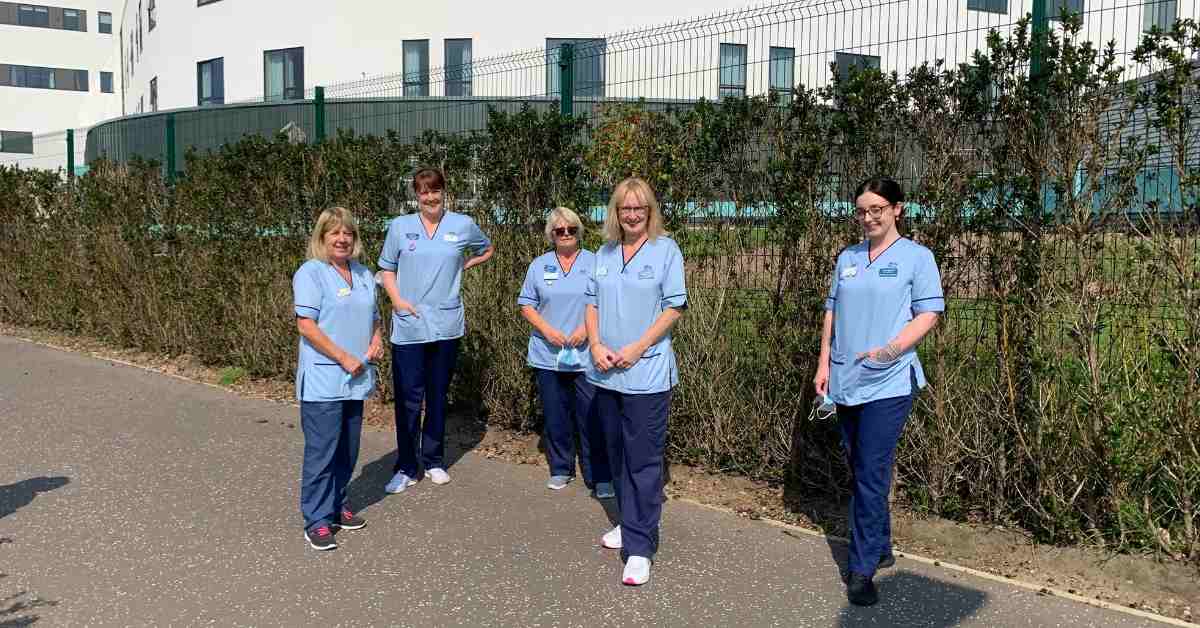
{"x": 612, "y": 538}
{"x": 637, "y": 571}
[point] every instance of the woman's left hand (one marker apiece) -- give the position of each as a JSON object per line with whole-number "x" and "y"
{"x": 629, "y": 355}
{"x": 375, "y": 351}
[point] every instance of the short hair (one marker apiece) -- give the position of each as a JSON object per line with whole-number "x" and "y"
{"x": 431, "y": 178}
{"x": 563, "y": 214}
{"x": 883, "y": 186}
{"x": 654, "y": 220}
{"x": 330, "y": 219}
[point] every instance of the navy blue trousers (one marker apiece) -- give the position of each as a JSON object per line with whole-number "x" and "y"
{"x": 568, "y": 405}
{"x": 421, "y": 373}
{"x": 870, "y": 433}
{"x": 332, "y": 430}
{"x": 635, "y": 430}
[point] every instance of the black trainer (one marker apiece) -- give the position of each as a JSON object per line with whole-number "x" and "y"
{"x": 350, "y": 521}
{"x": 888, "y": 560}
{"x": 861, "y": 590}
{"x": 320, "y": 538}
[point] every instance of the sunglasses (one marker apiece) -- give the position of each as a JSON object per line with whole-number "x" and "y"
{"x": 564, "y": 231}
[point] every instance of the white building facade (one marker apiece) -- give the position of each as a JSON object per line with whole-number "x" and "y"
{"x": 59, "y": 68}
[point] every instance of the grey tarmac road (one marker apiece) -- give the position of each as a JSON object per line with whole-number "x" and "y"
{"x": 130, "y": 498}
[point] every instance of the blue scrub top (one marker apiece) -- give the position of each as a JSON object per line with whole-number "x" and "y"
{"x": 347, "y": 314}
{"x": 560, "y": 297}
{"x": 429, "y": 274}
{"x": 871, "y": 302}
{"x": 629, "y": 298}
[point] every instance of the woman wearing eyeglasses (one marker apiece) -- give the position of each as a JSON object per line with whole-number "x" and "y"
{"x": 886, "y": 294}
{"x": 552, "y": 299}
{"x": 636, "y": 295}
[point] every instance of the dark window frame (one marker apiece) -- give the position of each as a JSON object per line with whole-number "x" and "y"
{"x": 296, "y": 92}
{"x": 30, "y": 12}
{"x": 416, "y": 81}
{"x": 154, "y": 94}
{"x": 781, "y": 93}
{"x": 15, "y": 142}
{"x": 100, "y": 25}
{"x": 216, "y": 67}
{"x": 731, "y": 88}
{"x": 460, "y": 77}
{"x": 106, "y": 75}
{"x": 1054, "y": 7}
{"x": 590, "y": 67}
{"x": 988, "y": 6}
{"x": 1157, "y": 12}
{"x": 150, "y": 16}
{"x": 843, "y": 69}
{"x": 78, "y": 20}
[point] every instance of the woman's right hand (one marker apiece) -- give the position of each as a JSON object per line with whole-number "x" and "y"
{"x": 603, "y": 357}
{"x": 404, "y": 307}
{"x": 821, "y": 380}
{"x": 351, "y": 365}
{"x": 555, "y": 337}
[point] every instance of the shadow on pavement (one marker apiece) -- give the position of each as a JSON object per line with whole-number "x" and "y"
{"x": 13, "y": 608}
{"x": 15, "y": 496}
{"x": 910, "y": 599}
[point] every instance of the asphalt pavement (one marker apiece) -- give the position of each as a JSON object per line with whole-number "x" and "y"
{"x": 131, "y": 498}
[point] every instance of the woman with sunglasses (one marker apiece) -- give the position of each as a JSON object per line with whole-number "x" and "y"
{"x": 635, "y": 297}
{"x": 552, "y": 299}
{"x": 886, "y": 294}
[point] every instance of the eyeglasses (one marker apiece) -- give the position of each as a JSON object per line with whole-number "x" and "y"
{"x": 638, "y": 209}
{"x": 564, "y": 231}
{"x": 875, "y": 210}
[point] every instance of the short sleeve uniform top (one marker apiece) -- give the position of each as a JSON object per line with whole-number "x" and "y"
{"x": 871, "y": 302}
{"x": 628, "y": 298}
{"x": 346, "y": 313}
{"x": 559, "y": 297}
{"x": 429, "y": 274}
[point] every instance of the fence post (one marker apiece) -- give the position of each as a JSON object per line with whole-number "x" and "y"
{"x": 319, "y": 112}
{"x": 1041, "y": 25}
{"x": 566, "y": 78}
{"x": 170, "y": 133}
{"x": 71, "y": 154}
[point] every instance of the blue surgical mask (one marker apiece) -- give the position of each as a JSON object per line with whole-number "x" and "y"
{"x": 568, "y": 357}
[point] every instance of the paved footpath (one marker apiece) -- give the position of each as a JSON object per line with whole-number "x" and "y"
{"x": 129, "y": 498}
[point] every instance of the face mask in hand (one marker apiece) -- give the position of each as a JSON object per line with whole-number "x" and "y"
{"x": 823, "y": 408}
{"x": 568, "y": 357}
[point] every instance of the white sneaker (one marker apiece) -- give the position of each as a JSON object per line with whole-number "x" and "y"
{"x": 637, "y": 571}
{"x": 437, "y": 475}
{"x": 398, "y": 483}
{"x": 612, "y": 538}
{"x": 558, "y": 482}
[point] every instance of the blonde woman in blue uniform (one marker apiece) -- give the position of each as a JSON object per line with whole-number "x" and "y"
{"x": 336, "y": 315}
{"x": 553, "y": 298}
{"x": 423, "y": 259}
{"x": 637, "y": 294}
{"x": 885, "y": 296}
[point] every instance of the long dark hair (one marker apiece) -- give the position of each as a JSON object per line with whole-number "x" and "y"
{"x": 883, "y": 186}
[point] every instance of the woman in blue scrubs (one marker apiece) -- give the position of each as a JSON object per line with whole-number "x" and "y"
{"x": 422, "y": 263}
{"x": 886, "y": 294}
{"x": 553, "y": 299}
{"x": 636, "y": 295}
{"x": 336, "y": 314}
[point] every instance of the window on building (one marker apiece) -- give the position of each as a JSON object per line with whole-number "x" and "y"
{"x": 458, "y": 67}
{"x": 988, "y": 6}
{"x": 1160, "y": 14}
{"x": 16, "y": 142}
{"x": 733, "y": 70}
{"x": 154, "y": 94}
{"x": 210, "y": 82}
{"x": 782, "y": 73}
{"x": 588, "y": 69}
{"x": 201, "y": 3}
{"x": 416, "y": 67}
{"x": 283, "y": 74}
{"x": 150, "y": 15}
{"x": 847, "y": 60}
{"x": 81, "y": 80}
{"x": 71, "y": 21}
{"x": 141, "y": 104}
{"x": 1054, "y": 8}
{"x": 139, "y": 28}
{"x": 105, "y": 22}
{"x": 32, "y": 15}
{"x": 106, "y": 86}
